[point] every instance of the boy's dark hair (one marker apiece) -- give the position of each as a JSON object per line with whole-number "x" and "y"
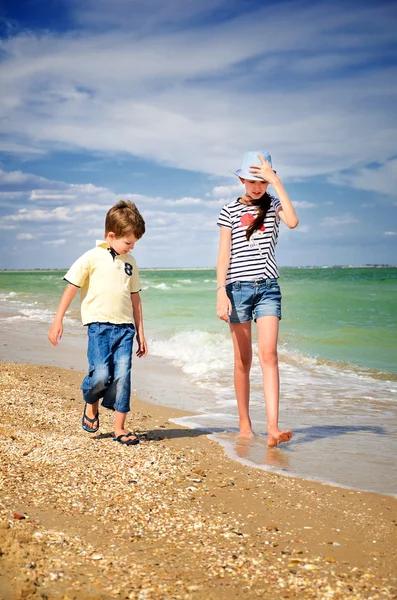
{"x": 263, "y": 203}
{"x": 124, "y": 218}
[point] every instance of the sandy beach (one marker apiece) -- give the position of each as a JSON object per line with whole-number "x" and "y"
{"x": 173, "y": 518}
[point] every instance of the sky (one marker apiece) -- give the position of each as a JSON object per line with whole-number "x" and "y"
{"x": 157, "y": 102}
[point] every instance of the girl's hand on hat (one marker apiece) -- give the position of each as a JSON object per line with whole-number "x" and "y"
{"x": 264, "y": 171}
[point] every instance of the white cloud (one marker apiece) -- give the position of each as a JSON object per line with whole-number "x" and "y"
{"x": 301, "y": 229}
{"x": 140, "y": 199}
{"x": 185, "y": 202}
{"x": 382, "y": 179}
{"x": 164, "y": 236}
{"x": 149, "y": 14}
{"x": 390, "y": 233}
{"x": 10, "y": 195}
{"x": 75, "y": 199}
{"x": 42, "y": 191}
{"x": 21, "y": 149}
{"x": 55, "y": 242}
{"x": 166, "y": 83}
{"x": 57, "y": 214}
{"x": 303, "y": 204}
{"x": 25, "y": 236}
{"x": 97, "y": 233}
{"x": 40, "y": 196}
{"x": 338, "y": 221}
{"x": 172, "y": 107}
{"x": 222, "y": 191}
{"x": 89, "y": 208}
{"x": 176, "y": 227}
{"x": 18, "y": 177}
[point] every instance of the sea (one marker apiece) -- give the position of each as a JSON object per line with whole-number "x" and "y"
{"x": 337, "y": 358}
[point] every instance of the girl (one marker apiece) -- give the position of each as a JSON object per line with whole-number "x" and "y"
{"x": 247, "y": 285}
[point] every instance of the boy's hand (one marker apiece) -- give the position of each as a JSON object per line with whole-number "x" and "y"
{"x": 56, "y": 330}
{"x": 55, "y": 333}
{"x": 142, "y": 347}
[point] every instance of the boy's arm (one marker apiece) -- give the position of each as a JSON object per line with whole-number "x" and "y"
{"x": 138, "y": 321}
{"x": 56, "y": 330}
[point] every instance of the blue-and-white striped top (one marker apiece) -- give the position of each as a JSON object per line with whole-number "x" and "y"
{"x": 254, "y": 259}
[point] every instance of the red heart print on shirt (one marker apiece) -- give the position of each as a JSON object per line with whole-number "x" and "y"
{"x": 247, "y": 219}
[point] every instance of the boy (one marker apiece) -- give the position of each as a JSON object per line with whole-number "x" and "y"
{"x": 110, "y": 307}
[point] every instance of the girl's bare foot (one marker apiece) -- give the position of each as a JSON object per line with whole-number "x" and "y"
{"x": 276, "y": 437}
{"x": 246, "y": 432}
{"x": 246, "y": 435}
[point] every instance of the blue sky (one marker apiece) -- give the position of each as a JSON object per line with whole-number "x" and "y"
{"x": 157, "y": 102}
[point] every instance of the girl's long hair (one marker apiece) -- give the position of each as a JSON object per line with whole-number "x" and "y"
{"x": 263, "y": 204}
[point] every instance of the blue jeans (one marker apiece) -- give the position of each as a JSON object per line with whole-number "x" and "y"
{"x": 254, "y": 299}
{"x": 109, "y": 373}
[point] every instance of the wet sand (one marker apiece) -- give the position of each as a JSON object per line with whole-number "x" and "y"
{"x": 172, "y": 518}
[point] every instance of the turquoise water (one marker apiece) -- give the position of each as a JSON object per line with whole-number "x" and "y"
{"x": 346, "y": 315}
{"x": 337, "y": 351}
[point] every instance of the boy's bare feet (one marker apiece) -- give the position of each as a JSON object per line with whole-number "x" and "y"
{"x": 276, "y": 437}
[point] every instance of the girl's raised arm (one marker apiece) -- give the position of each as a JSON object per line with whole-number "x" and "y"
{"x": 287, "y": 212}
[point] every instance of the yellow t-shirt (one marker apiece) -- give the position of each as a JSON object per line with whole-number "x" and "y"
{"x": 107, "y": 282}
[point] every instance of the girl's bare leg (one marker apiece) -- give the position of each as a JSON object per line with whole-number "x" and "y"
{"x": 267, "y": 350}
{"x": 242, "y": 344}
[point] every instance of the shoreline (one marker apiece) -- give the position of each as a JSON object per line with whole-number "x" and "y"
{"x": 374, "y": 266}
{"x": 46, "y": 270}
{"x": 171, "y": 518}
{"x": 167, "y": 385}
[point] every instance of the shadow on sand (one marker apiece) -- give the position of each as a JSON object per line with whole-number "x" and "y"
{"x": 301, "y": 435}
{"x": 157, "y": 435}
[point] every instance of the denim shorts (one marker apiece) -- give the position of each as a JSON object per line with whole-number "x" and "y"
{"x": 254, "y": 299}
{"x": 109, "y": 373}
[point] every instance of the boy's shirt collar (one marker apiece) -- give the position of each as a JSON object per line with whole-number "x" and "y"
{"x": 106, "y": 246}
{"x": 102, "y": 244}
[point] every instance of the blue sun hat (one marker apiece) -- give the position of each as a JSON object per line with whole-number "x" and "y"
{"x": 251, "y": 158}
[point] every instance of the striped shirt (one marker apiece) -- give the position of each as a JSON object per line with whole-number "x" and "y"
{"x": 254, "y": 259}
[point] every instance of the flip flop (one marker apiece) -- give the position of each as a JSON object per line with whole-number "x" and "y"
{"x": 127, "y": 442}
{"x": 85, "y": 418}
